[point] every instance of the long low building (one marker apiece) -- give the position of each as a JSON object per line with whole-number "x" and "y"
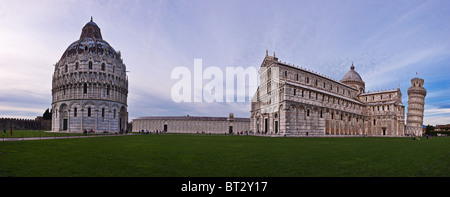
{"x": 192, "y": 124}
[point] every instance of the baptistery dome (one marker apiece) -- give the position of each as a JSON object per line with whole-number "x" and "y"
{"x": 90, "y": 86}
{"x": 90, "y": 41}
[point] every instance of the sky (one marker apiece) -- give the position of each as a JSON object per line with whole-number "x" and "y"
{"x": 388, "y": 41}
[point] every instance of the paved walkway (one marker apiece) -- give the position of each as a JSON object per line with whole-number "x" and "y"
{"x": 59, "y": 137}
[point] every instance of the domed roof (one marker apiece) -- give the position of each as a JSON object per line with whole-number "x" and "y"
{"x": 352, "y": 75}
{"x": 91, "y": 30}
{"x": 90, "y": 41}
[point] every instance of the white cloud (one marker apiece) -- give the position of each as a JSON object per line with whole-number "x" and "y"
{"x": 436, "y": 116}
{"x": 433, "y": 112}
{"x": 7, "y": 107}
{"x": 438, "y": 120}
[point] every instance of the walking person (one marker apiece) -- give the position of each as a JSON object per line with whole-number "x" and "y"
{"x": 10, "y": 132}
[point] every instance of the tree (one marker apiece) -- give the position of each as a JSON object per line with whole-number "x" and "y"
{"x": 47, "y": 115}
{"x": 429, "y": 129}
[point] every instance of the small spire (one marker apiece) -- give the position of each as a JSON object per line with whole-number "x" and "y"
{"x": 91, "y": 18}
{"x": 352, "y": 67}
{"x": 267, "y": 52}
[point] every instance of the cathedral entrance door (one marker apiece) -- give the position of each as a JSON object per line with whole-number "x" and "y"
{"x": 120, "y": 124}
{"x": 276, "y": 127}
{"x": 265, "y": 125}
{"x": 384, "y": 130}
{"x": 65, "y": 124}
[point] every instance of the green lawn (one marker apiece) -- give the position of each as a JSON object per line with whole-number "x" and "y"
{"x": 225, "y": 156}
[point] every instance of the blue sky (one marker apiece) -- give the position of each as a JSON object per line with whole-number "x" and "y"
{"x": 388, "y": 42}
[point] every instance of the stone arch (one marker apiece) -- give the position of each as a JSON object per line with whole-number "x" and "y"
{"x": 73, "y": 104}
{"x": 83, "y": 78}
{"x": 89, "y": 103}
{"x": 115, "y": 106}
{"x": 123, "y": 118}
{"x": 63, "y": 117}
{"x": 104, "y": 104}
{"x": 315, "y": 110}
{"x": 257, "y": 123}
{"x": 301, "y": 107}
{"x": 165, "y": 126}
{"x": 104, "y": 109}
{"x": 292, "y": 107}
{"x": 308, "y": 111}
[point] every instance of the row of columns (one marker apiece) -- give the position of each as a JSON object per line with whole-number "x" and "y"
{"x": 93, "y": 91}
{"x": 82, "y": 117}
{"x": 64, "y": 114}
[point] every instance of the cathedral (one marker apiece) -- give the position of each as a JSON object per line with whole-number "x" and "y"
{"x": 294, "y": 101}
{"x": 90, "y": 86}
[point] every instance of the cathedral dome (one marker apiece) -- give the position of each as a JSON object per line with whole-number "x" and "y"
{"x": 353, "y": 79}
{"x": 352, "y": 75}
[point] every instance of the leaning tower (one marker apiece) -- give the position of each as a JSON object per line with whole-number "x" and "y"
{"x": 416, "y": 102}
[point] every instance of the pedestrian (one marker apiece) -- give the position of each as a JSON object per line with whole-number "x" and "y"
{"x": 10, "y": 132}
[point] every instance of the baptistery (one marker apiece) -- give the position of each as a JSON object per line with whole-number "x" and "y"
{"x": 90, "y": 86}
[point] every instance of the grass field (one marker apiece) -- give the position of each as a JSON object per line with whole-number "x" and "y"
{"x": 225, "y": 156}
